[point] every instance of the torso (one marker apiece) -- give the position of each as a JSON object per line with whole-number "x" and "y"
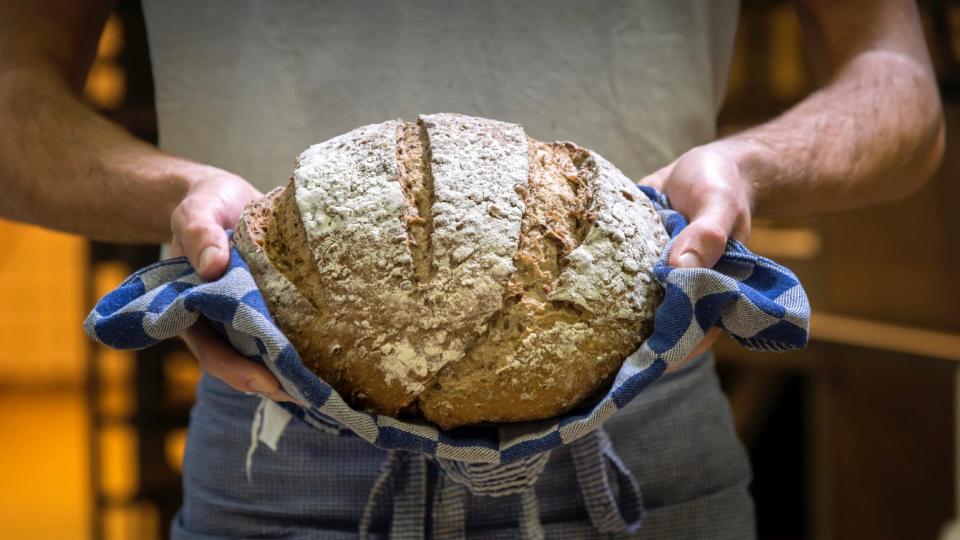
{"x": 246, "y": 86}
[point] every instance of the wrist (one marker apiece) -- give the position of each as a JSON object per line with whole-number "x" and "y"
{"x": 177, "y": 177}
{"x": 165, "y": 181}
{"x": 170, "y": 179}
{"x": 752, "y": 159}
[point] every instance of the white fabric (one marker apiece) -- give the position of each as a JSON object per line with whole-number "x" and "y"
{"x": 275, "y": 420}
{"x": 247, "y": 85}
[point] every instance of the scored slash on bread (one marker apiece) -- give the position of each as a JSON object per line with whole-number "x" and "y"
{"x": 458, "y": 267}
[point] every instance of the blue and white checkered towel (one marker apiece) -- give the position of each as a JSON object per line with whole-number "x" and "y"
{"x": 760, "y": 303}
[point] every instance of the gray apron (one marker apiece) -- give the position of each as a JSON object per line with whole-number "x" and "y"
{"x": 676, "y": 437}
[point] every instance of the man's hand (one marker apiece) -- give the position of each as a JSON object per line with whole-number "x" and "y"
{"x": 106, "y": 184}
{"x": 873, "y": 132}
{"x": 706, "y": 186}
{"x": 212, "y": 204}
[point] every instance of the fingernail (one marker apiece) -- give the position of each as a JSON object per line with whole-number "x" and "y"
{"x": 260, "y": 386}
{"x": 689, "y": 260}
{"x": 207, "y": 256}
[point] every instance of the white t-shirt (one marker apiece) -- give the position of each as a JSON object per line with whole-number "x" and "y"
{"x": 248, "y": 85}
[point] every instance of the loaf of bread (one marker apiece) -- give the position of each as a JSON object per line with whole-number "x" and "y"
{"x": 456, "y": 268}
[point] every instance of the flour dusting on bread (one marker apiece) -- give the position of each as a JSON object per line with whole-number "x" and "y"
{"x": 457, "y": 267}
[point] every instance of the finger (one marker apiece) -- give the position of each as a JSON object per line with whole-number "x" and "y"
{"x": 204, "y": 241}
{"x": 176, "y": 247}
{"x": 712, "y": 334}
{"x": 704, "y": 240}
{"x": 708, "y": 339}
{"x": 223, "y": 362}
{"x": 656, "y": 179}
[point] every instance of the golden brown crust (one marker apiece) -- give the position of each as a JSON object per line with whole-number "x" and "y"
{"x": 514, "y": 297}
{"x": 326, "y": 343}
{"x": 539, "y": 357}
{"x": 417, "y": 183}
{"x": 281, "y": 270}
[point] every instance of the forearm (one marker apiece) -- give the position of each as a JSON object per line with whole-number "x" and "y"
{"x": 872, "y": 133}
{"x": 64, "y": 166}
{"x": 875, "y": 133}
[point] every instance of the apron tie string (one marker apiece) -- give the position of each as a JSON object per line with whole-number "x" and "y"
{"x": 404, "y": 476}
{"x": 592, "y": 457}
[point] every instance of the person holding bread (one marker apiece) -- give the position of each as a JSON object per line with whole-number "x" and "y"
{"x": 243, "y": 87}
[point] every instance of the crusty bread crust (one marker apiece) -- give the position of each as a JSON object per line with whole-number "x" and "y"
{"x": 577, "y": 305}
{"x": 457, "y": 266}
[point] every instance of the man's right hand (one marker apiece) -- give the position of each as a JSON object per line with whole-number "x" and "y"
{"x": 104, "y": 183}
{"x": 212, "y": 204}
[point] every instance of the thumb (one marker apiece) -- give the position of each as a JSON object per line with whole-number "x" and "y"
{"x": 703, "y": 241}
{"x": 196, "y": 227}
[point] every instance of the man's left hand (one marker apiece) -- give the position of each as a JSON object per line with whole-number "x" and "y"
{"x": 706, "y": 185}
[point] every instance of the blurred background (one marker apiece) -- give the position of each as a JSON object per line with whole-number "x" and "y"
{"x": 852, "y": 438}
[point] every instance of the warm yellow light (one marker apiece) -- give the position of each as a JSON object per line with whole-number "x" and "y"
{"x": 116, "y": 400}
{"x": 106, "y": 84}
{"x": 44, "y": 462}
{"x": 787, "y": 243}
{"x": 41, "y": 295}
{"x": 137, "y": 522}
{"x": 118, "y": 446}
{"x": 786, "y": 70}
{"x": 111, "y": 40}
{"x": 181, "y": 375}
{"x": 175, "y": 443}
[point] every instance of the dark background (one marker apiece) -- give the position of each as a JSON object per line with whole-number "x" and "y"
{"x": 851, "y": 438}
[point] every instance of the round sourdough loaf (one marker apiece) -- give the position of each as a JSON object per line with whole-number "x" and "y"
{"x": 456, "y": 267}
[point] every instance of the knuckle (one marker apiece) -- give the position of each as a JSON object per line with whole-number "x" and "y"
{"x": 723, "y": 191}
{"x": 178, "y": 217}
{"x": 188, "y": 206}
{"x": 197, "y": 228}
{"x": 699, "y": 152}
{"x": 738, "y": 201}
{"x": 712, "y": 233}
{"x": 191, "y": 206}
